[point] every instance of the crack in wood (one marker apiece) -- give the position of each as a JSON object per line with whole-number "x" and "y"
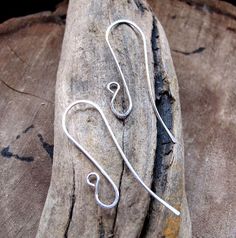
{"x": 197, "y": 51}
{"x": 101, "y": 228}
{"x": 25, "y": 93}
{"x": 71, "y": 209}
{"x": 231, "y": 29}
{"x": 17, "y": 55}
{"x": 47, "y": 147}
{"x": 164, "y": 145}
{"x": 119, "y": 187}
{"x": 141, "y": 6}
{"x": 6, "y": 153}
{"x": 27, "y": 129}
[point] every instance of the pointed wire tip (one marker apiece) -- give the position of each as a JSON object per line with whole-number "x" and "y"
{"x": 174, "y": 140}
{"x": 177, "y": 213}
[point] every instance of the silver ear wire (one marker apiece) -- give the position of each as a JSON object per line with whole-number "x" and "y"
{"x": 96, "y": 184}
{"x": 152, "y": 98}
{"x": 93, "y": 174}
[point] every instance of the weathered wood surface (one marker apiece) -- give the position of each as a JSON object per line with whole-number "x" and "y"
{"x": 86, "y": 66}
{"x": 182, "y": 22}
{"x": 29, "y": 55}
{"x": 202, "y": 35}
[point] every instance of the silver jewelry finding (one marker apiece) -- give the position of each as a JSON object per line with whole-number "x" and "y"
{"x": 96, "y": 185}
{"x": 109, "y": 86}
{"x": 92, "y": 175}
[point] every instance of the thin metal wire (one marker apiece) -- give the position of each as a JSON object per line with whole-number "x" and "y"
{"x": 92, "y": 175}
{"x": 109, "y": 86}
{"x": 94, "y": 105}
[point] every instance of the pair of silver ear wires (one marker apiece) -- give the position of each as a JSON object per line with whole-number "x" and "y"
{"x": 94, "y": 176}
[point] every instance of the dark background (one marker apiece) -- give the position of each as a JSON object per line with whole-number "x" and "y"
{"x": 18, "y": 8}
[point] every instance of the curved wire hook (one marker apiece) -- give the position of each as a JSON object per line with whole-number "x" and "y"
{"x": 121, "y": 153}
{"x": 124, "y": 115}
{"x": 93, "y": 174}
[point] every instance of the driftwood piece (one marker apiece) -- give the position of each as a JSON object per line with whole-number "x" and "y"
{"x": 202, "y": 35}
{"x": 29, "y": 55}
{"x": 86, "y": 66}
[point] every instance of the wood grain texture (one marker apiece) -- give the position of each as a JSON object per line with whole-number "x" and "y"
{"x": 211, "y": 24}
{"x": 86, "y": 66}
{"x": 29, "y": 55}
{"x": 202, "y": 36}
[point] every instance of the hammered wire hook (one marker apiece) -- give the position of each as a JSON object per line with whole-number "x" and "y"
{"x": 124, "y": 115}
{"x": 92, "y": 174}
{"x": 94, "y": 105}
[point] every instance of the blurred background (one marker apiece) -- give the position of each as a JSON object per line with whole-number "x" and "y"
{"x": 202, "y": 39}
